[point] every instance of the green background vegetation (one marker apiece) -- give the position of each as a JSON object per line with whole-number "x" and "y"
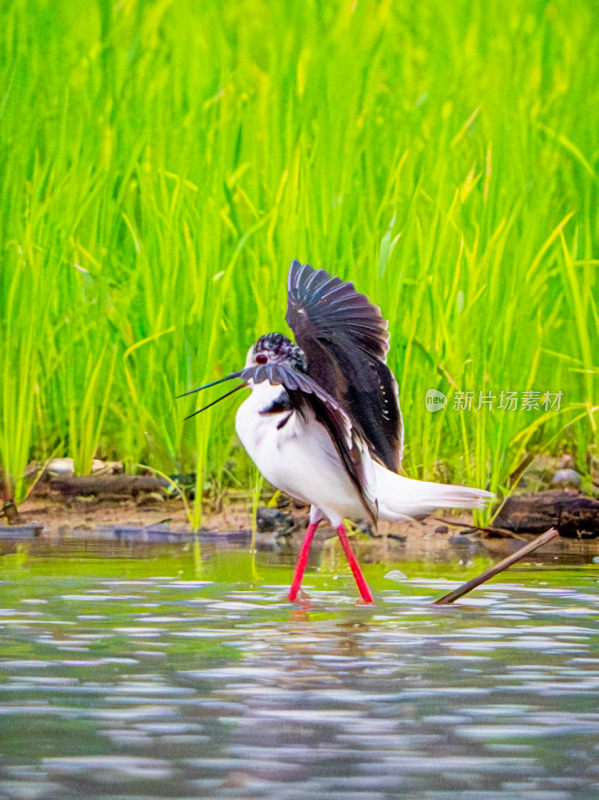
{"x": 162, "y": 163}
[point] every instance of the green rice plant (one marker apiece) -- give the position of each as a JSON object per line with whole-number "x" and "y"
{"x": 161, "y": 163}
{"x": 86, "y": 386}
{"x": 21, "y": 318}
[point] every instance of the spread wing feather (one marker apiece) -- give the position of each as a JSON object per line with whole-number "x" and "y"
{"x": 345, "y": 341}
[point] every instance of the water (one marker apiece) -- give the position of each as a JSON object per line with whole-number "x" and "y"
{"x": 155, "y": 672}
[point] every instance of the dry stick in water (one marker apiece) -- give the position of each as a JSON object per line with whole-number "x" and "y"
{"x": 552, "y": 533}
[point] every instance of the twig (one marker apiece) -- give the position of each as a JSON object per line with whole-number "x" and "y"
{"x": 471, "y": 528}
{"x": 552, "y": 533}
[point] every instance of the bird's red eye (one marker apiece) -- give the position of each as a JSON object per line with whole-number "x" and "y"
{"x": 261, "y": 358}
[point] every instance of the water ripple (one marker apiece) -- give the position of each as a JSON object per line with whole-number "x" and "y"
{"x": 185, "y": 687}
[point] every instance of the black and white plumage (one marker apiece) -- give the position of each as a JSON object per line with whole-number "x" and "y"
{"x": 345, "y": 341}
{"x": 323, "y": 423}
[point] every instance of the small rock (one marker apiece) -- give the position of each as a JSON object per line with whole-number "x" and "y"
{"x": 275, "y": 521}
{"x": 61, "y": 466}
{"x": 441, "y": 529}
{"x": 566, "y": 477}
{"x": 65, "y": 467}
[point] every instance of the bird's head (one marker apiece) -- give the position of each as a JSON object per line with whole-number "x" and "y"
{"x": 274, "y": 348}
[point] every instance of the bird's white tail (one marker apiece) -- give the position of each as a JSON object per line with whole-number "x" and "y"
{"x": 405, "y": 498}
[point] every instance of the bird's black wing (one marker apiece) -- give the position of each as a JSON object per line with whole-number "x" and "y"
{"x": 345, "y": 341}
{"x": 305, "y": 393}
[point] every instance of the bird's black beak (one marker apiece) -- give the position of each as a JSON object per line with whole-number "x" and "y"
{"x": 207, "y": 386}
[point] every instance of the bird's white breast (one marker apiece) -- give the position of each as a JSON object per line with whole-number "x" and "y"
{"x": 298, "y": 456}
{"x": 264, "y": 441}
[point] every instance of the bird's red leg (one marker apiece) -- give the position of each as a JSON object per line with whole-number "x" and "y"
{"x": 302, "y": 561}
{"x": 363, "y": 587}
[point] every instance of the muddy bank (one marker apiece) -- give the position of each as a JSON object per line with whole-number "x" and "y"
{"x": 142, "y": 507}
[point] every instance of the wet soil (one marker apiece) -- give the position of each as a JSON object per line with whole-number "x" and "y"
{"x": 59, "y": 514}
{"x": 437, "y": 538}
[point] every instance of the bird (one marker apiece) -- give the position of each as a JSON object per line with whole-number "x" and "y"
{"x": 323, "y": 422}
